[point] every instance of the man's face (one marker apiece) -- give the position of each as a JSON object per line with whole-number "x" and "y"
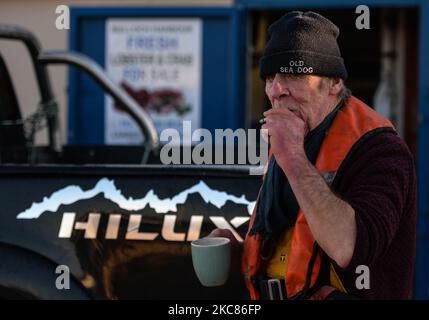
{"x": 305, "y": 95}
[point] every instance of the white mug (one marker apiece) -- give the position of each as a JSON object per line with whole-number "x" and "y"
{"x": 211, "y": 257}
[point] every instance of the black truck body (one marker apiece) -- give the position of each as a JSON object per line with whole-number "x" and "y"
{"x": 121, "y": 228}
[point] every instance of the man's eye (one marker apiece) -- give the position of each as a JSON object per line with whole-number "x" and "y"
{"x": 298, "y": 77}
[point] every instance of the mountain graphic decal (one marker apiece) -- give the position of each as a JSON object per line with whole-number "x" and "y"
{"x": 73, "y": 193}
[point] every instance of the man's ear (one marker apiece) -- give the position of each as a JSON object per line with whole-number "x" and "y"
{"x": 335, "y": 86}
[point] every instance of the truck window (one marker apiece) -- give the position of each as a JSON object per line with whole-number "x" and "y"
{"x": 11, "y": 126}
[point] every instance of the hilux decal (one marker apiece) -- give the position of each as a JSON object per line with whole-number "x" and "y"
{"x": 91, "y": 225}
{"x": 72, "y": 194}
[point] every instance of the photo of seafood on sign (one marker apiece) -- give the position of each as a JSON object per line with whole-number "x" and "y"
{"x": 157, "y": 61}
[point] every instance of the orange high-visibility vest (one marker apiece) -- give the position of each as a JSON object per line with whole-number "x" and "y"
{"x": 352, "y": 123}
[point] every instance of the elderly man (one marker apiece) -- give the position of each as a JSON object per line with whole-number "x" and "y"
{"x": 336, "y": 213}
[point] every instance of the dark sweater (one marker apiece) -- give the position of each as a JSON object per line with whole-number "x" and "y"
{"x": 380, "y": 184}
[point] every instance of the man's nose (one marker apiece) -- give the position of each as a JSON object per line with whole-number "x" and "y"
{"x": 279, "y": 87}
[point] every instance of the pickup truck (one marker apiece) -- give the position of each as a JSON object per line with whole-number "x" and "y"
{"x": 104, "y": 222}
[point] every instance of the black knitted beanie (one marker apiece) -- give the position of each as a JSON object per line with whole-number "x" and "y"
{"x": 303, "y": 43}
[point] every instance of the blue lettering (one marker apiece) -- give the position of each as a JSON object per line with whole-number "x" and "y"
{"x": 151, "y": 43}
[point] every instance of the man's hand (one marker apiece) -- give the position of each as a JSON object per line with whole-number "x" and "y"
{"x": 286, "y": 130}
{"x": 226, "y": 233}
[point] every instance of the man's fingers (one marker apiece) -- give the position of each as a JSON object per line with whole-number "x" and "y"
{"x": 273, "y": 114}
{"x": 220, "y": 233}
{"x": 277, "y": 111}
{"x": 282, "y": 112}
